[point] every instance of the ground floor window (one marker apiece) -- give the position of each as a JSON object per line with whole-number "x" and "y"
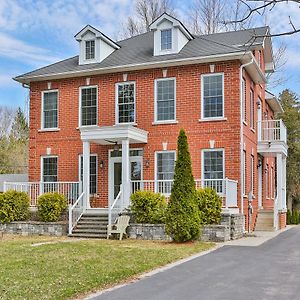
{"x": 93, "y": 172}
{"x": 165, "y": 164}
{"x": 213, "y": 168}
{"x": 49, "y": 169}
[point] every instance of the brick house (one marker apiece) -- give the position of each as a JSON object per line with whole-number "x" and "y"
{"x": 110, "y": 118}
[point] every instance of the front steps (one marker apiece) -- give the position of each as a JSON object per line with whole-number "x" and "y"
{"x": 91, "y": 226}
{"x": 265, "y": 220}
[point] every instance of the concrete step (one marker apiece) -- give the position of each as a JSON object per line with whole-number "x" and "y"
{"x": 90, "y": 230}
{"x": 95, "y": 218}
{"x": 265, "y": 220}
{"x": 81, "y": 225}
{"x": 88, "y": 235}
{"x": 93, "y": 223}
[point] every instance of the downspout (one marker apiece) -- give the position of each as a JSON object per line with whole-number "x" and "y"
{"x": 242, "y": 134}
{"x": 26, "y": 86}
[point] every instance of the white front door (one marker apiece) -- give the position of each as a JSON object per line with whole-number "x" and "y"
{"x": 115, "y": 173}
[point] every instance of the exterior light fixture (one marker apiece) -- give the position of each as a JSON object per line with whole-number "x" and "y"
{"x": 116, "y": 148}
{"x": 147, "y": 163}
{"x": 101, "y": 164}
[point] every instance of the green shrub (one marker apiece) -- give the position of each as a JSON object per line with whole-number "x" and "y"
{"x": 148, "y": 207}
{"x": 14, "y": 206}
{"x": 210, "y": 206}
{"x": 295, "y": 217}
{"x": 182, "y": 218}
{"x": 289, "y": 220}
{"x": 51, "y": 206}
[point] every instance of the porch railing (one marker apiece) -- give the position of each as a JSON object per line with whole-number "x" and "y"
{"x": 71, "y": 190}
{"x": 272, "y": 130}
{"x": 226, "y": 188}
{"x": 116, "y": 208}
{"x": 75, "y": 212}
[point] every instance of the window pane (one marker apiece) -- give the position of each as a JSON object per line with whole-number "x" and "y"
{"x": 50, "y": 110}
{"x": 89, "y": 49}
{"x": 88, "y": 106}
{"x": 93, "y": 173}
{"x": 212, "y": 96}
{"x": 165, "y": 97}
{"x": 166, "y": 39}
{"x": 165, "y": 172}
{"x": 49, "y": 169}
{"x": 126, "y": 103}
{"x": 213, "y": 165}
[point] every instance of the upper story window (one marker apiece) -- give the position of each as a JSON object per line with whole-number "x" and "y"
{"x": 165, "y": 100}
{"x": 212, "y": 96}
{"x": 244, "y": 99}
{"x": 90, "y": 49}
{"x": 166, "y": 39}
{"x": 49, "y": 109}
{"x": 88, "y": 104}
{"x": 49, "y": 169}
{"x": 251, "y": 109}
{"x": 125, "y": 103}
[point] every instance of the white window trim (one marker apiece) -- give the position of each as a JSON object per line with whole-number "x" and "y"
{"x": 42, "y": 165}
{"x": 97, "y": 106}
{"x": 117, "y": 104}
{"x": 244, "y": 91}
{"x": 244, "y": 187}
{"x": 79, "y": 169}
{"x": 171, "y": 121}
{"x": 202, "y": 98}
{"x": 155, "y": 165}
{"x": 252, "y": 121}
{"x": 90, "y": 59}
{"x": 42, "y": 111}
{"x": 252, "y": 173}
{"x": 166, "y": 51}
{"x": 202, "y": 160}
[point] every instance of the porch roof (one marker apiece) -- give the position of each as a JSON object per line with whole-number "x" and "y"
{"x": 106, "y": 135}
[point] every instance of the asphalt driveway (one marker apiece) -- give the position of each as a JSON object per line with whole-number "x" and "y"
{"x": 268, "y": 271}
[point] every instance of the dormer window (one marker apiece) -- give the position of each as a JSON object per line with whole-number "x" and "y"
{"x": 166, "y": 39}
{"x": 90, "y": 49}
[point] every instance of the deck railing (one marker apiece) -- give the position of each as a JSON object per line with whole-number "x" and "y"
{"x": 226, "y": 188}
{"x": 75, "y": 212}
{"x": 71, "y": 190}
{"x": 115, "y": 208}
{"x": 272, "y": 130}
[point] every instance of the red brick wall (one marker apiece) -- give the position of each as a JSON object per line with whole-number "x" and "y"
{"x": 282, "y": 220}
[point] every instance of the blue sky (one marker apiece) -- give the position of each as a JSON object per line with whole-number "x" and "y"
{"x": 34, "y": 33}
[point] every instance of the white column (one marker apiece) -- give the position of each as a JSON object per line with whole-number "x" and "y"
{"x": 280, "y": 175}
{"x": 86, "y": 173}
{"x": 283, "y": 182}
{"x": 125, "y": 173}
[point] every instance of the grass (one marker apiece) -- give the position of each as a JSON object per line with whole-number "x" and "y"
{"x": 64, "y": 270}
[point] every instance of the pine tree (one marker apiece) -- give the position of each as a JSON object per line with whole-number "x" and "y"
{"x": 182, "y": 220}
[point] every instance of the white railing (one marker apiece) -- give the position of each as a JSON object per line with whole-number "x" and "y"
{"x": 71, "y": 190}
{"x": 271, "y": 130}
{"x": 226, "y": 188}
{"x": 75, "y": 212}
{"x": 116, "y": 208}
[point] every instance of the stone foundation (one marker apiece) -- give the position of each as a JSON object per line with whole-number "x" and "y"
{"x": 35, "y": 228}
{"x": 148, "y": 232}
{"x": 235, "y": 222}
{"x": 215, "y": 233}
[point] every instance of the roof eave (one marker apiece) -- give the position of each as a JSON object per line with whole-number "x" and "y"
{"x": 167, "y": 63}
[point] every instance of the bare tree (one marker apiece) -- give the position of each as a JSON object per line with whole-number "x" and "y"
{"x": 6, "y": 116}
{"x": 146, "y": 11}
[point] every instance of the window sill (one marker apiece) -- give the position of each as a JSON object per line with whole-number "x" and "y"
{"x": 164, "y": 122}
{"x": 49, "y": 129}
{"x": 126, "y": 124}
{"x": 86, "y": 127}
{"x": 245, "y": 123}
{"x": 253, "y": 130}
{"x": 213, "y": 119}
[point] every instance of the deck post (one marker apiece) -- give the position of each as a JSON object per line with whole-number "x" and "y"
{"x": 86, "y": 174}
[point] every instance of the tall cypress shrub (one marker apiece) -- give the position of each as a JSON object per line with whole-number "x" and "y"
{"x": 182, "y": 217}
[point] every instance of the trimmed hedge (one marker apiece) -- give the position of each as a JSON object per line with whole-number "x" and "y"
{"x": 51, "y": 206}
{"x": 148, "y": 207}
{"x": 210, "y": 206}
{"x": 14, "y": 206}
{"x": 293, "y": 217}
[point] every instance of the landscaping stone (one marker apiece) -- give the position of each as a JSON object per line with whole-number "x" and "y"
{"x": 148, "y": 232}
{"x": 35, "y": 228}
{"x": 215, "y": 233}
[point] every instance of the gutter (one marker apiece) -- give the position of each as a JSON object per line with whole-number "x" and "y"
{"x": 242, "y": 135}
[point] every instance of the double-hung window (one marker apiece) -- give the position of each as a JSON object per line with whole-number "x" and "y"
{"x": 125, "y": 102}
{"x": 165, "y": 95}
{"x": 166, "y": 39}
{"x": 50, "y": 109}
{"x": 244, "y": 99}
{"x": 49, "y": 169}
{"x": 251, "y": 109}
{"x": 89, "y": 99}
{"x": 165, "y": 164}
{"x": 212, "y": 96}
{"x": 213, "y": 169}
{"x": 90, "y": 49}
{"x": 93, "y": 172}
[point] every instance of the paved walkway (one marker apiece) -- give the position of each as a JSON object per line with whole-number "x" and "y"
{"x": 235, "y": 271}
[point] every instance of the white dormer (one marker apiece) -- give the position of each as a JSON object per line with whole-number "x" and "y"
{"x": 94, "y": 45}
{"x": 170, "y": 36}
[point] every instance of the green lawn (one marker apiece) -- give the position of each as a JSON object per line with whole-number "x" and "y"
{"x": 64, "y": 270}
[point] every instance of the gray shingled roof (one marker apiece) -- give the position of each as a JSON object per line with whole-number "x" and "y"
{"x": 139, "y": 50}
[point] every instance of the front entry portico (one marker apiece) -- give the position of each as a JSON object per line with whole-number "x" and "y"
{"x": 121, "y": 135}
